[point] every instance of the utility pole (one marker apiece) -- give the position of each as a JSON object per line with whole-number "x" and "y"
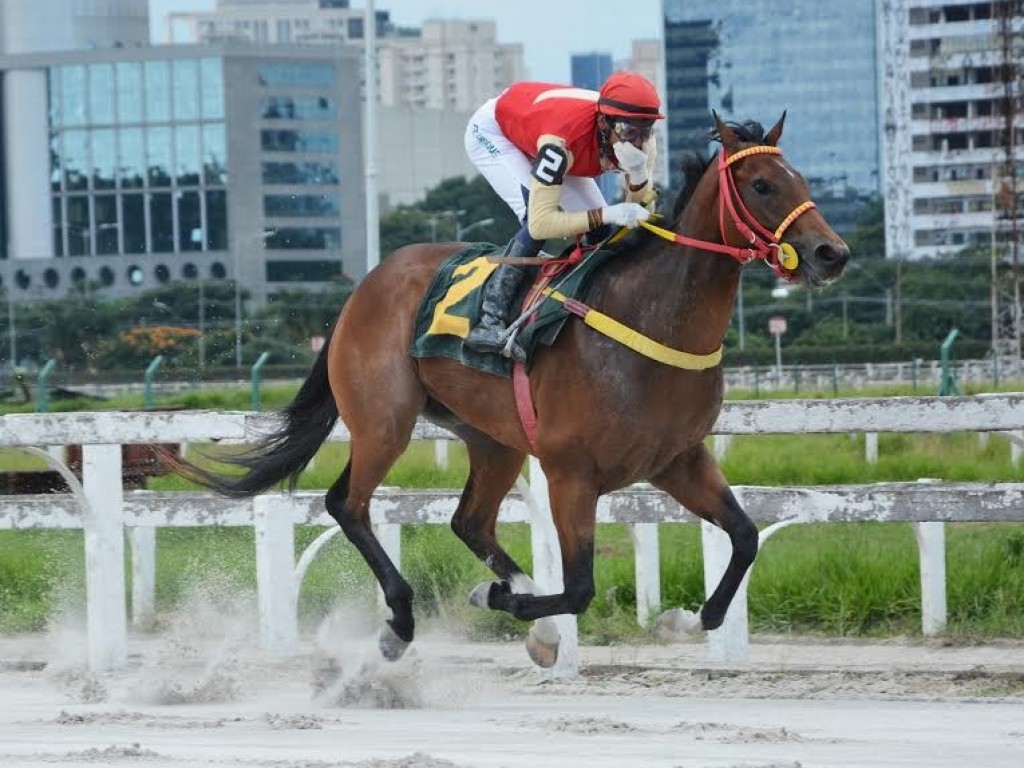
{"x": 1005, "y": 245}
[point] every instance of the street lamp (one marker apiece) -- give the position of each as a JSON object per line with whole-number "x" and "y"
{"x": 460, "y": 231}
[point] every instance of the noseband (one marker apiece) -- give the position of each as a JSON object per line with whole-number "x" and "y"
{"x": 764, "y": 244}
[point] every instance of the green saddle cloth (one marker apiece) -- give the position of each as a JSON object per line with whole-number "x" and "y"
{"x": 452, "y": 305}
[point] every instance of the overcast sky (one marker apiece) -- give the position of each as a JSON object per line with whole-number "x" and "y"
{"x": 550, "y": 30}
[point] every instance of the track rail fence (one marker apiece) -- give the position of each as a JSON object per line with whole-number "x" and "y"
{"x": 105, "y": 512}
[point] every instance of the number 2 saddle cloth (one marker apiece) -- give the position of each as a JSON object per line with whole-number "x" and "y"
{"x": 452, "y": 304}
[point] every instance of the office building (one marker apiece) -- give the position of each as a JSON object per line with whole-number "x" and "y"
{"x": 814, "y": 60}
{"x": 129, "y": 167}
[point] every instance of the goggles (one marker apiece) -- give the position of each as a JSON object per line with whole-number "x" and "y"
{"x": 632, "y": 132}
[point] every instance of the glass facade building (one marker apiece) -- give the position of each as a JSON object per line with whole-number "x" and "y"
{"x": 138, "y": 155}
{"x": 180, "y": 163}
{"x": 751, "y": 62}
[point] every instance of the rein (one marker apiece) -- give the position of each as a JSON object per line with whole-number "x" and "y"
{"x": 781, "y": 257}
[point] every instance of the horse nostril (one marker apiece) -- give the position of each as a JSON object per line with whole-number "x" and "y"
{"x": 832, "y": 255}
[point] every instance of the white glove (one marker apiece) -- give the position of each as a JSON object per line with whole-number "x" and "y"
{"x": 624, "y": 214}
{"x": 633, "y": 161}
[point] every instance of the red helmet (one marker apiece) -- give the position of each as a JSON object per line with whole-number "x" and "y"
{"x": 629, "y": 95}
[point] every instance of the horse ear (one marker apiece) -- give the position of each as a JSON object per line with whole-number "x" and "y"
{"x": 725, "y": 134}
{"x": 773, "y": 136}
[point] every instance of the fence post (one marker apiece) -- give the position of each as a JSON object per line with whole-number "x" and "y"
{"x": 143, "y": 541}
{"x": 275, "y": 575}
{"x": 731, "y": 641}
{"x": 871, "y": 447}
{"x": 648, "y": 571}
{"x": 931, "y": 548}
{"x": 720, "y": 444}
{"x": 547, "y": 569}
{"x": 103, "y": 523}
{"x": 390, "y": 537}
{"x": 441, "y": 453}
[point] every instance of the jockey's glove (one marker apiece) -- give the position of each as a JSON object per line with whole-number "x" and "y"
{"x": 624, "y": 214}
{"x": 633, "y": 161}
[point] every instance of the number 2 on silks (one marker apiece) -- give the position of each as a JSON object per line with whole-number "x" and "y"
{"x": 466, "y": 278}
{"x": 550, "y": 165}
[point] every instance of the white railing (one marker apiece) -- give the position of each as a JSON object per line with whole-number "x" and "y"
{"x": 100, "y": 507}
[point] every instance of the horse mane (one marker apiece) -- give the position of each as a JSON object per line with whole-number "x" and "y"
{"x": 693, "y": 164}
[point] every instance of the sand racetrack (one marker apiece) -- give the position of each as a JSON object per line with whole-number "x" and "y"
{"x": 191, "y": 702}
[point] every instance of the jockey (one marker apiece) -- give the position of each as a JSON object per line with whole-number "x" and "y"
{"x": 540, "y": 146}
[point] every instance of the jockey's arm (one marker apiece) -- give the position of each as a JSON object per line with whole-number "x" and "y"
{"x": 545, "y": 215}
{"x": 645, "y": 194}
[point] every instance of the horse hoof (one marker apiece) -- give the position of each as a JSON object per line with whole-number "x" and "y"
{"x": 483, "y": 595}
{"x": 542, "y": 643}
{"x": 391, "y": 645}
{"x": 675, "y": 625}
{"x": 480, "y": 593}
{"x": 543, "y": 654}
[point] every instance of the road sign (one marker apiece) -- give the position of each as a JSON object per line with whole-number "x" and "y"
{"x": 777, "y": 325}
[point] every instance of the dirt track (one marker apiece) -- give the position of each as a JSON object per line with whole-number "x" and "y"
{"x": 207, "y": 702}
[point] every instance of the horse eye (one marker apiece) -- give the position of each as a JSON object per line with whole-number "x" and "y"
{"x": 761, "y": 186}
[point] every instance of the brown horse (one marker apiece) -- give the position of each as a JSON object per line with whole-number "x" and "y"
{"x": 607, "y": 416}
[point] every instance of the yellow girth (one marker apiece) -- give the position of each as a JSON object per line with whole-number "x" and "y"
{"x": 641, "y": 344}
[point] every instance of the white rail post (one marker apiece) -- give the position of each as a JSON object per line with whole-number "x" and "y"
{"x": 1015, "y": 447}
{"x": 547, "y": 569}
{"x": 441, "y": 453}
{"x": 931, "y": 548}
{"x": 720, "y": 445}
{"x": 275, "y": 575}
{"x": 143, "y": 541}
{"x": 731, "y": 641}
{"x": 103, "y": 521}
{"x": 390, "y": 537}
{"x": 648, "y": 571}
{"x": 871, "y": 447}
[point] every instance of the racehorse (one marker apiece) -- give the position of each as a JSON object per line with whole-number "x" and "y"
{"x": 606, "y": 415}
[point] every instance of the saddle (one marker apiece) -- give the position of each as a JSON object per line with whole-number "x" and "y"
{"x": 451, "y": 305}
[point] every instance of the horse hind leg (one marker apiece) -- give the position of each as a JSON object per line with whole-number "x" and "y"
{"x": 348, "y": 502}
{"x": 695, "y": 481}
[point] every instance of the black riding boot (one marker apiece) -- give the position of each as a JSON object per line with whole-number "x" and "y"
{"x": 499, "y": 293}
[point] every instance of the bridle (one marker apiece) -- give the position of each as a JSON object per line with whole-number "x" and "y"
{"x": 765, "y": 244}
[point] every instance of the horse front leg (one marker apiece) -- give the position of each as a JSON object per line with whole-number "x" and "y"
{"x": 573, "y": 504}
{"x": 695, "y": 481}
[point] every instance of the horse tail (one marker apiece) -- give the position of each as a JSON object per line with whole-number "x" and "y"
{"x": 284, "y": 453}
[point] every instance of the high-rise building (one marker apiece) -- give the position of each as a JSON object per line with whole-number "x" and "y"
{"x": 590, "y": 70}
{"x": 953, "y": 125}
{"x": 814, "y": 60}
{"x": 448, "y": 64}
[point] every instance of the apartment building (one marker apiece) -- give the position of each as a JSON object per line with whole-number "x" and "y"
{"x": 952, "y": 125}
{"x": 447, "y": 64}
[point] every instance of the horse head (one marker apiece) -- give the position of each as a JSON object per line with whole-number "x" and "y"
{"x": 765, "y": 208}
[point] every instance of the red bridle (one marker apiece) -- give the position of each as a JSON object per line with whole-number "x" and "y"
{"x": 764, "y": 244}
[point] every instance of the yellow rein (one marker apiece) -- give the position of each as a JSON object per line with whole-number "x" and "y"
{"x": 635, "y": 340}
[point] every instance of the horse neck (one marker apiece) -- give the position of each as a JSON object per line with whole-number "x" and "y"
{"x": 681, "y": 295}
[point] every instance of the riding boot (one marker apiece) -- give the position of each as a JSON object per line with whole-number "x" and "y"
{"x": 500, "y": 292}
